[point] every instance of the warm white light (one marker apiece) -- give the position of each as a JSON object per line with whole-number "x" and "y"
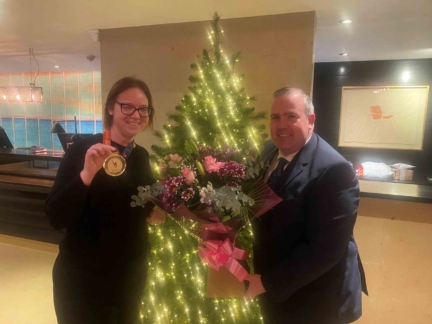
{"x": 343, "y": 54}
{"x": 56, "y": 66}
{"x": 345, "y": 21}
{"x": 406, "y": 76}
{"x": 21, "y": 93}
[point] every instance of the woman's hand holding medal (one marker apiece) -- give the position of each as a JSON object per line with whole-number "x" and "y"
{"x": 94, "y": 160}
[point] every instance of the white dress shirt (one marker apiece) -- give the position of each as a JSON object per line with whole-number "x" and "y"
{"x": 280, "y": 155}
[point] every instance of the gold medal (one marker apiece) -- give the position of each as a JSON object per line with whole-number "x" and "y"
{"x": 114, "y": 165}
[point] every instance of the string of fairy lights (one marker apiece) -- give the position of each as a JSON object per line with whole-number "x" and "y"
{"x": 215, "y": 108}
{"x": 175, "y": 290}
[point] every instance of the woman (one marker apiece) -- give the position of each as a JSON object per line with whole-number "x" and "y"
{"x": 100, "y": 272}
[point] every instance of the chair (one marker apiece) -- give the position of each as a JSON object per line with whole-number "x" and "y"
{"x": 378, "y": 115}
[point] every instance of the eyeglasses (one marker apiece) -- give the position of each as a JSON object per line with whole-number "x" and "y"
{"x": 129, "y": 110}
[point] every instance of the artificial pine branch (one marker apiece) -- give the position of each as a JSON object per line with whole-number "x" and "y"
{"x": 216, "y": 108}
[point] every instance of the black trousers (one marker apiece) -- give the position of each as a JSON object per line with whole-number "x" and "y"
{"x": 111, "y": 295}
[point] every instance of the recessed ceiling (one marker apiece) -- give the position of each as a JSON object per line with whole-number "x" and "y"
{"x": 57, "y": 30}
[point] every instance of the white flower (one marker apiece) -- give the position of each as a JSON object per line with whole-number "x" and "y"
{"x": 227, "y": 198}
{"x": 253, "y": 168}
{"x": 207, "y": 194}
{"x": 140, "y": 199}
{"x": 247, "y": 201}
{"x": 250, "y": 173}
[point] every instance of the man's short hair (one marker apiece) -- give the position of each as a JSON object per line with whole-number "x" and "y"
{"x": 309, "y": 107}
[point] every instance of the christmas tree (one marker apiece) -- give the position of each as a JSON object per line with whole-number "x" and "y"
{"x": 216, "y": 112}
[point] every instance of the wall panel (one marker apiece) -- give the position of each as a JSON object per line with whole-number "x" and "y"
{"x": 277, "y": 51}
{"x": 329, "y": 78}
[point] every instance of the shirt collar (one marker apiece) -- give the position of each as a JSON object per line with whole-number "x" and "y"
{"x": 289, "y": 157}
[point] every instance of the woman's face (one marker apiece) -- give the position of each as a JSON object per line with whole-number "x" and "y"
{"x": 129, "y": 125}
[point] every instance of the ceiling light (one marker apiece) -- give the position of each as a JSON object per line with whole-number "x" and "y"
{"x": 342, "y": 69}
{"x": 21, "y": 94}
{"x": 343, "y": 54}
{"x": 345, "y": 21}
{"x": 29, "y": 93}
{"x": 406, "y": 76}
{"x": 56, "y": 66}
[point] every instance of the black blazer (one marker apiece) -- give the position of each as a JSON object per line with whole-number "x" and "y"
{"x": 305, "y": 250}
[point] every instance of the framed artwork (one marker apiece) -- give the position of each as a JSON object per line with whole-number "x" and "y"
{"x": 389, "y": 117}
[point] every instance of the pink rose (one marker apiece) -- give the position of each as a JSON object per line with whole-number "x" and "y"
{"x": 162, "y": 168}
{"x": 188, "y": 174}
{"x": 211, "y": 165}
{"x": 173, "y": 160}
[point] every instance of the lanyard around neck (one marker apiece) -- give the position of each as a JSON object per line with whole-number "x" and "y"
{"x": 126, "y": 152}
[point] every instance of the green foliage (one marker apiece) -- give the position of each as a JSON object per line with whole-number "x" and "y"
{"x": 215, "y": 112}
{"x": 216, "y": 109}
{"x": 175, "y": 290}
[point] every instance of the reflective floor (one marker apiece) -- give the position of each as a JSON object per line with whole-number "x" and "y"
{"x": 394, "y": 238}
{"x": 25, "y": 281}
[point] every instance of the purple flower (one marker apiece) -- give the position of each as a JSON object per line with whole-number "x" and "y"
{"x": 187, "y": 194}
{"x": 232, "y": 169}
{"x": 175, "y": 205}
{"x": 172, "y": 182}
{"x": 172, "y": 189}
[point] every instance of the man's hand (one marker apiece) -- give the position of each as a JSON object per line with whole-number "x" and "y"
{"x": 255, "y": 286}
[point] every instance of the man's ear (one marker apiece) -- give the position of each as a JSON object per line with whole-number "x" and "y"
{"x": 311, "y": 119}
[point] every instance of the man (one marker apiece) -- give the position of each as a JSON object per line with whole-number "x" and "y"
{"x": 306, "y": 261}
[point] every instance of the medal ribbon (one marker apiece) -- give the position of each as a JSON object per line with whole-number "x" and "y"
{"x": 126, "y": 152}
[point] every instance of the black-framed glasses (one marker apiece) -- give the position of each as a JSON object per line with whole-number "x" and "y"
{"x": 129, "y": 110}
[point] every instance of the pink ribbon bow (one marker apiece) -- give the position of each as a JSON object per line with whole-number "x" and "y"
{"x": 223, "y": 253}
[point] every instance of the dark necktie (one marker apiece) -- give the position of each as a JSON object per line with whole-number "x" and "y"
{"x": 274, "y": 176}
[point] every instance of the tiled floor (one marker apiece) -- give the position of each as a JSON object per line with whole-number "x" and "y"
{"x": 397, "y": 256}
{"x": 395, "y": 242}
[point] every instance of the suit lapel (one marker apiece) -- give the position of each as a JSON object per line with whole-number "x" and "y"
{"x": 294, "y": 168}
{"x": 297, "y": 165}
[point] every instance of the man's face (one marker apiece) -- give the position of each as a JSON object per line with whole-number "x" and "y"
{"x": 289, "y": 126}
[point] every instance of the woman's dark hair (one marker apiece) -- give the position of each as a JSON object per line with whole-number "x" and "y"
{"x": 120, "y": 86}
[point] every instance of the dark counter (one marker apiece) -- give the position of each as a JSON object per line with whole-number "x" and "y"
{"x": 396, "y": 191}
{"x": 26, "y": 179}
{"x": 27, "y": 155}
{"x": 24, "y": 189}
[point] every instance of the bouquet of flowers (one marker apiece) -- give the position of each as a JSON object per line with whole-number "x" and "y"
{"x": 214, "y": 194}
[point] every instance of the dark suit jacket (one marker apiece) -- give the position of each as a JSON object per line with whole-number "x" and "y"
{"x": 305, "y": 249}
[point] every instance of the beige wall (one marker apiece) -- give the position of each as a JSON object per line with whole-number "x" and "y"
{"x": 276, "y": 51}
